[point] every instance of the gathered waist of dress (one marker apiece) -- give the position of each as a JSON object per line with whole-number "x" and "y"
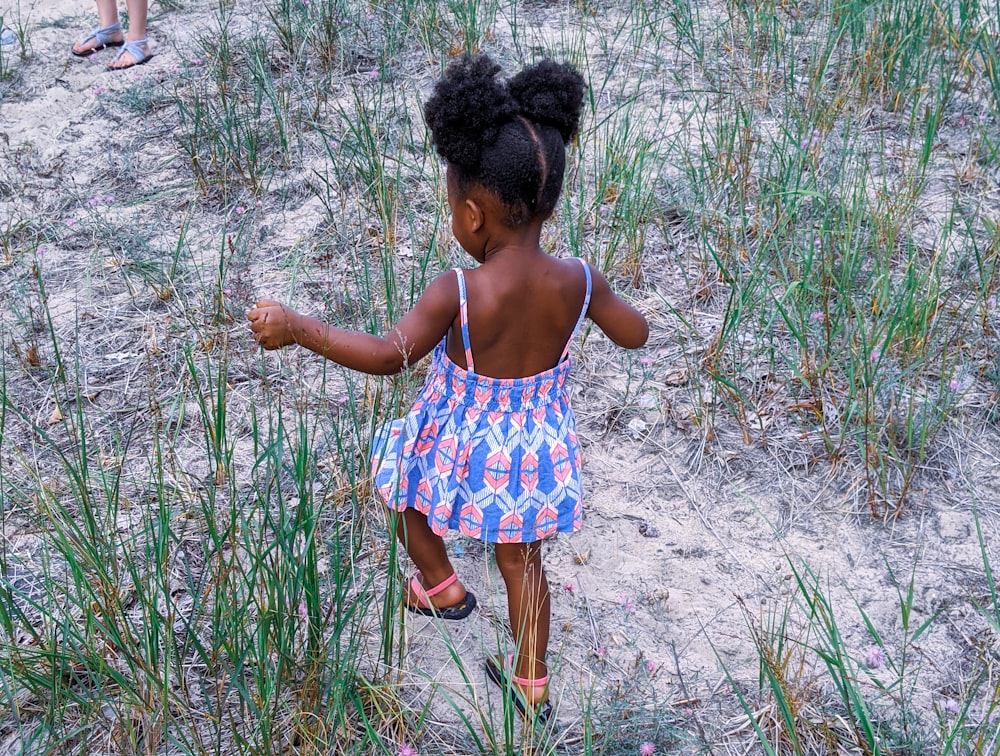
{"x": 496, "y": 394}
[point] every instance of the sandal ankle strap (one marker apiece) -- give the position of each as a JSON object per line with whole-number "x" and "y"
{"x": 525, "y": 682}
{"x": 440, "y": 586}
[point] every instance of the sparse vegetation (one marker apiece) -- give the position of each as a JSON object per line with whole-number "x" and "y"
{"x": 801, "y": 196}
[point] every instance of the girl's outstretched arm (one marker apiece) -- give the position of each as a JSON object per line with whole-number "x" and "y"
{"x": 621, "y": 322}
{"x": 274, "y": 326}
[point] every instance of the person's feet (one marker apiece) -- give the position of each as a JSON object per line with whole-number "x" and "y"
{"x": 109, "y": 36}
{"x": 528, "y": 692}
{"x": 133, "y": 54}
{"x": 451, "y": 595}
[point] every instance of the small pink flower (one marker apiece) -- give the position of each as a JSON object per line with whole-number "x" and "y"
{"x": 874, "y": 356}
{"x": 196, "y": 61}
{"x": 373, "y": 74}
{"x": 819, "y": 317}
{"x": 647, "y": 749}
{"x": 650, "y": 666}
{"x": 260, "y": 204}
{"x": 407, "y": 750}
{"x": 954, "y": 384}
{"x": 227, "y": 292}
{"x": 627, "y": 605}
{"x": 240, "y": 210}
{"x": 569, "y": 588}
{"x": 70, "y": 222}
{"x": 40, "y": 251}
{"x": 645, "y": 361}
{"x": 876, "y": 658}
{"x": 991, "y": 302}
{"x": 303, "y": 612}
{"x": 888, "y": 152}
{"x": 950, "y": 705}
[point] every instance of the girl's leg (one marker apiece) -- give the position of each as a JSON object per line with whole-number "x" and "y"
{"x": 520, "y": 565}
{"x": 107, "y": 14}
{"x": 428, "y": 552}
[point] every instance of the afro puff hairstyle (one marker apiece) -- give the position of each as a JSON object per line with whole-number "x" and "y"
{"x": 509, "y": 137}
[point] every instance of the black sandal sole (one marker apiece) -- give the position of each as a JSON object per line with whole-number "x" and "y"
{"x": 458, "y": 611}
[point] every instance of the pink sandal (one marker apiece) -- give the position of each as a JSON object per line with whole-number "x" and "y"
{"x": 508, "y": 681}
{"x": 458, "y": 611}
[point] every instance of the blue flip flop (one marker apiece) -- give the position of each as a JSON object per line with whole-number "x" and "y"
{"x": 134, "y": 48}
{"x": 103, "y": 39}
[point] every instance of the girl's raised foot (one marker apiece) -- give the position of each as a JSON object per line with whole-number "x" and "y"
{"x": 453, "y": 602}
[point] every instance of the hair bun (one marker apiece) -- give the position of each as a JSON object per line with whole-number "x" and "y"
{"x": 550, "y": 94}
{"x": 467, "y": 109}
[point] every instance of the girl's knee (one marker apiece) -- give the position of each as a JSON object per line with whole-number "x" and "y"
{"x": 517, "y": 558}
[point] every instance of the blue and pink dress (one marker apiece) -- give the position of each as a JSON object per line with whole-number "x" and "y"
{"x": 496, "y": 459}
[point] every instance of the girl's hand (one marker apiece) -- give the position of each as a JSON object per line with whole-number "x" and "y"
{"x": 271, "y": 323}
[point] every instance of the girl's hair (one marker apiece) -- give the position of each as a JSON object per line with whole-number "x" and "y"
{"x": 509, "y": 136}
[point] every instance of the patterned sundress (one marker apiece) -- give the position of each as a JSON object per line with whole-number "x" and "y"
{"x": 496, "y": 459}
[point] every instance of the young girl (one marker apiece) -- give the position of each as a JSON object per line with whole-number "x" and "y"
{"x": 489, "y": 448}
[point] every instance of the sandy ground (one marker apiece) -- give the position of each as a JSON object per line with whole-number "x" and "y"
{"x": 680, "y": 533}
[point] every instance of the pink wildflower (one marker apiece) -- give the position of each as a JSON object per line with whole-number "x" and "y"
{"x": 954, "y": 384}
{"x": 876, "y": 658}
{"x": 819, "y": 317}
{"x": 70, "y": 222}
{"x": 874, "y": 356}
{"x": 569, "y": 588}
{"x": 950, "y": 705}
{"x": 407, "y": 750}
{"x": 647, "y": 749}
{"x": 227, "y": 292}
{"x": 650, "y": 666}
{"x": 240, "y": 210}
{"x": 645, "y": 361}
{"x": 196, "y": 61}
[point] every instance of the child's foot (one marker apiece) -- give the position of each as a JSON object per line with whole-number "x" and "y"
{"x": 447, "y": 600}
{"x": 134, "y": 53}
{"x": 110, "y": 36}
{"x": 527, "y": 694}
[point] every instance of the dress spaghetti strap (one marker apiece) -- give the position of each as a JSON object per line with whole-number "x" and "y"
{"x": 463, "y": 316}
{"x": 583, "y": 312}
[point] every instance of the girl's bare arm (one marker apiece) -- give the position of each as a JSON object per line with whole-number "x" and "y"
{"x": 274, "y": 326}
{"x": 622, "y": 323}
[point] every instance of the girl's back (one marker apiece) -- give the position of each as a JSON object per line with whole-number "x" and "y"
{"x": 522, "y": 308}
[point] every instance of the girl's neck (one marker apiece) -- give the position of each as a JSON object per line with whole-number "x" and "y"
{"x": 505, "y": 241}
